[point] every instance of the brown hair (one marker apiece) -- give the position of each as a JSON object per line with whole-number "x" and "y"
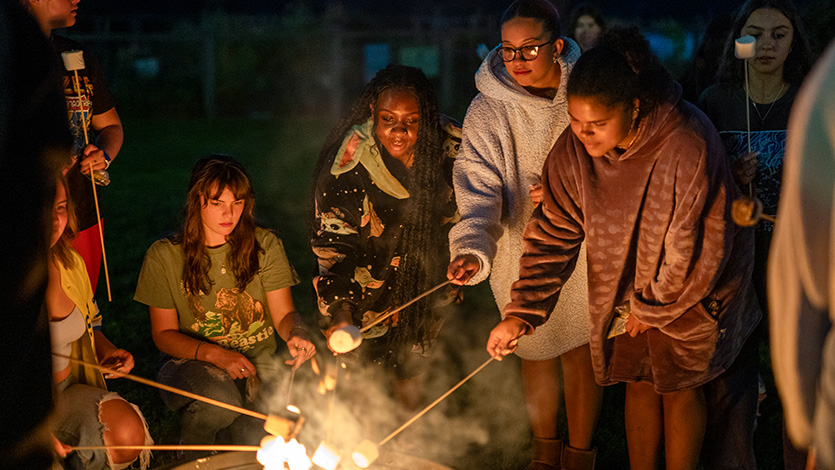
{"x": 209, "y": 177}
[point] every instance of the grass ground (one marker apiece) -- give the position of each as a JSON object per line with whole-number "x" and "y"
{"x": 481, "y": 426}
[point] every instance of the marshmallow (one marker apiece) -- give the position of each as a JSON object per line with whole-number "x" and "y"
{"x": 326, "y": 457}
{"x": 744, "y": 47}
{"x": 365, "y": 453}
{"x": 345, "y": 339}
{"x": 73, "y": 60}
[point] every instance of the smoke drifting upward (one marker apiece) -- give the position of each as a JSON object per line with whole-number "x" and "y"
{"x": 483, "y": 424}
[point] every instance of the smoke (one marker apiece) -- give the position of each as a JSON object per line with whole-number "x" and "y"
{"x": 478, "y": 426}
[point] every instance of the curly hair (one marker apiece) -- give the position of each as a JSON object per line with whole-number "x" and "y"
{"x": 209, "y": 177}
{"x": 620, "y": 69}
{"x": 422, "y": 238}
{"x": 541, "y": 10}
{"x": 798, "y": 62}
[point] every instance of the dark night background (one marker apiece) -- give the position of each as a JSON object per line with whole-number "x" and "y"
{"x": 266, "y": 80}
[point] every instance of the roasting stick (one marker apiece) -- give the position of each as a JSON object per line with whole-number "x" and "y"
{"x": 333, "y": 396}
{"x": 101, "y": 231}
{"x": 438, "y": 400}
{"x": 74, "y": 61}
{"x": 220, "y": 448}
{"x": 366, "y": 451}
{"x": 392, "y": 312}
{"x": 167, "y": 388}
{"x": 744, "y": 48}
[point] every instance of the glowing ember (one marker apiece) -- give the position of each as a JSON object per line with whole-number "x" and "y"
{"x": 326, "y": 457}
{"x": 293, "y": 409}
{"x": 365, "y": 454}
{"x": 275, "y": 453}
{"x": 314, "y": 364}
{"x": 330, "y": 382}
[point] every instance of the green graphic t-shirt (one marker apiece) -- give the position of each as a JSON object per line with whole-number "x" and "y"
{"x": 228, "y": 316}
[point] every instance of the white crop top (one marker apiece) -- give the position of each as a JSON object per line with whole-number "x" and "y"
{"x": 63, "y": 333}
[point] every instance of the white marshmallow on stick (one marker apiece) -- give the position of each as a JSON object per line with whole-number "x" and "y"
{"x": 745, "y": 47}
{"x": 345, "y": 339}
{"x": 73, "y": 60}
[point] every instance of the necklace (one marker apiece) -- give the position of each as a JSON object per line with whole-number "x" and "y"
{"x": 776, "y": 97}
{"x": 637, "y": 131}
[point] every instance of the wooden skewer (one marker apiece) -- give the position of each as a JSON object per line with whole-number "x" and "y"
{"x": 160, "y": 386}
{"x": 222, "y": 448}
{"x": 101, "y": 234}
{"x": 93, "y": 180}
{"x": 769, "y": 218}
{"x": 392, "y": 312}
{"x": 432, "y": 405}
{"x": 333, "y": 396}
{"x": 81, "y": 106}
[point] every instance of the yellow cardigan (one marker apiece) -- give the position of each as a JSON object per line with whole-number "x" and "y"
{"x": 76, "y": 285}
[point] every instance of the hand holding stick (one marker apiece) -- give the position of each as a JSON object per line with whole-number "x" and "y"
{"x": 74, "y": 61}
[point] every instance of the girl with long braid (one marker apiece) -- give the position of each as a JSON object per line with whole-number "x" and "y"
{"x": 383, "y": 208}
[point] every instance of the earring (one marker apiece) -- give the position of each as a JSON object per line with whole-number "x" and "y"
{"x": 555, "y": 58}
{"x": 635, "y": 113}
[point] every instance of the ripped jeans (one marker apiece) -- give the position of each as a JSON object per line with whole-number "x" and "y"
{"x": 78, "y": 423}
{"x": 202, "y": 423}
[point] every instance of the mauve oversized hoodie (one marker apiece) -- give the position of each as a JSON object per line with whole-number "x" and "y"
{"x": 657, "y": 226}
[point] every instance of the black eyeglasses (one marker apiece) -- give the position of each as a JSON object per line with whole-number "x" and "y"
{"x": 527, "y": 52}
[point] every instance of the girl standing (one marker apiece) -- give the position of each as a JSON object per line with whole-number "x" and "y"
{"x": 509, "y": 129}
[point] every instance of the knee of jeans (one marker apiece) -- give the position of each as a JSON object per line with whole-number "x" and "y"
{"x": 200, "y": 378}
{"x": 209, "y": 416}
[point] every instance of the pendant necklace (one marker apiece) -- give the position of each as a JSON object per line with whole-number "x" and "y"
{"x": 776, "y": 97}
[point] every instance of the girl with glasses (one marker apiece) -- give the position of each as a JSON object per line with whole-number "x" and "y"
{"x": 508, "y": 130}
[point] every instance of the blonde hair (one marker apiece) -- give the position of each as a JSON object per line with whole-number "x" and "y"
{"x": 62, "y": 250}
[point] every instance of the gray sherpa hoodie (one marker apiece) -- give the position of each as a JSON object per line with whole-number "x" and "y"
{"x": 508, "y": 132}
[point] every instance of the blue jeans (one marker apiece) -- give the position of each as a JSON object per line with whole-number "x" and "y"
{"x": 202, "y": 423}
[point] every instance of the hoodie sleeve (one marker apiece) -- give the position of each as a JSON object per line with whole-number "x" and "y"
{"x": 478, "y": 189}
{"x": 551, "y": 241}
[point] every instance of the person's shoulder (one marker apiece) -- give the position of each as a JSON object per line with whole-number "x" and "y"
{"x": 715, "y": 94}
{"x": 63, "y": 43}
{"x": 484, "y": 112}
{"x": 266, "y": 237}
{"x": 163, "y": 248}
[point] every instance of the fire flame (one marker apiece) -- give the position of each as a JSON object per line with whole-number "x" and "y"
{"x": 274, "y": 453}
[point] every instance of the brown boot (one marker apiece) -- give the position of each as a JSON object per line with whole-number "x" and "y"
{"x": 578, "y": 459}
{"x": 546, "y": 454}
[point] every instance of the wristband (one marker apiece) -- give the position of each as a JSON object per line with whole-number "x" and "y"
{"x": 106, "y": 159}
{"x": 297, "y": 327}
{"x": 197, "y": 350}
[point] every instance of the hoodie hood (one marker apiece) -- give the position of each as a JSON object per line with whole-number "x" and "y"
{"x": 653, "y": 127}
{"x": 494, "y": 81}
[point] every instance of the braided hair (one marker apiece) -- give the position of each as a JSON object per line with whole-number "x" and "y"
{"x": 422, "y": 239}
